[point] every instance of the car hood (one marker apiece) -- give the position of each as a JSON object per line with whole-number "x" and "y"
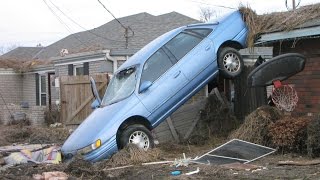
{"x": 98, "y": 121}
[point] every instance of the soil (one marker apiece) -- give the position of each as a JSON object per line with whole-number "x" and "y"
{"x": 80, "y": 169}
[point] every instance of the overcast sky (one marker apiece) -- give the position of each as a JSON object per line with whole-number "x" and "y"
{"x": 30, "y": 22}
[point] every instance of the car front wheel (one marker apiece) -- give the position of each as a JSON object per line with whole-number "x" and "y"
{"x": 138, "y": 135}
{"x": 230, "y": 62}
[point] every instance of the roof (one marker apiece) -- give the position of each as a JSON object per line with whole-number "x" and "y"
{"x": 146, "y": 27}
{"x": 22, "y": 53}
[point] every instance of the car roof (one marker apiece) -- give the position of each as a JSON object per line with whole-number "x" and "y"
{"x": 142, "y": 55}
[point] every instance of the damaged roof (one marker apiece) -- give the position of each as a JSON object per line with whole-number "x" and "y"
{"x": 22, "y": 53}
{"x": 302, "y": 22}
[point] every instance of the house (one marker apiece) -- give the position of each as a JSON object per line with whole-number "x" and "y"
{"x": 299, "y": 32}
{"x": 29, "y": 74}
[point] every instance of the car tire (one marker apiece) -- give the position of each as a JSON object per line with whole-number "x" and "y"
{"x": 230, "y": 62}
{"x": 137, "y": 134}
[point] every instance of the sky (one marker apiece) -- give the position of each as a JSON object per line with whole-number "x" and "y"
{"x": 30, "y": 22}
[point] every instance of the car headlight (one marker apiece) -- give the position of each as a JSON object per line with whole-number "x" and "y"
{"x": 90, "y": 148}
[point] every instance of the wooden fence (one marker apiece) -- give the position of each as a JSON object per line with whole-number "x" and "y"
{"x": 76, "y": 96}
{"x": 247, "y": 99}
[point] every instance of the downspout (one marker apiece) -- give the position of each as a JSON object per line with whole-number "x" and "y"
{"x": 115, "y": 62}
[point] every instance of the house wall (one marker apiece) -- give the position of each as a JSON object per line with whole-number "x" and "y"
{"x": 10, "y": 87}
{"x": 307, "y": 82}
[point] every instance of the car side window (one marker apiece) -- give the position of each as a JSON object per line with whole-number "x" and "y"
{"x": 184, "y": 42}
{"x": 155, "y": 66}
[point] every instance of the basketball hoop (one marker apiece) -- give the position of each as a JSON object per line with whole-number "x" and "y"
{"x": 284, "y": 97}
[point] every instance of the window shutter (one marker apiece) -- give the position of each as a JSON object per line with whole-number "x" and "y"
{"x": 37, "y": 90}
{"x": 86, "y": 68}
{"x": 70, "y": 69}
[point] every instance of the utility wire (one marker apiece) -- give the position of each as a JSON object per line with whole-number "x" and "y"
{"x": 124, "y": 27}
{"x": 89, "y": 31}
{"x": 111, "y": 14}
{"x": 65, "y": 25}
{"x": 227, "y": 7}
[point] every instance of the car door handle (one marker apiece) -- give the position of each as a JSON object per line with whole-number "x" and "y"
{"x": 208, "y": 47}
{"x": 176, "y": 74}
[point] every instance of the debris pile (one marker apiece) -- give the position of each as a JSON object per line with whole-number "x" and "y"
{"x": 255, "y": 126}
{"x": 267, "y": 126}
{"x": 216, "y": 120}
{"x": 289, "y": 134}
{"x": 131, "y": 154}
{"x": 35, "y": 135}
{"x": 21, "y": 65}
{"x": 277, "y": 21}
{"x": 313, "y": 140}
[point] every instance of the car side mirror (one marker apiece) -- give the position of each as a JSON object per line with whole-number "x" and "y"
{"x": 95, "y": 93}
{"x": 145, "y": 86}
{"x": 95, "y": 104}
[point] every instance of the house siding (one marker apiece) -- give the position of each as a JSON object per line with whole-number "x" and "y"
{"x": 62, "y": 70}
{"x": 11, "y": 88}
{"x": 96, "y": 67}
{"x": 307, "y": 82}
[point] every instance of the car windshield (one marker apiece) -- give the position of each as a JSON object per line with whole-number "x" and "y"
{"x": 121, "y": 86}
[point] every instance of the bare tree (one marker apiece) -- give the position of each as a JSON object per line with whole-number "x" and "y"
{"x": 2, "y": 50}
{"x": 11, "y": 47}
{"x": 207, "y": 13}
{"x": 5, "y": 49}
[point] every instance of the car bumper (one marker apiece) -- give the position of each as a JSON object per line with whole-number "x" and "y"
{"x": 106, "y": 150}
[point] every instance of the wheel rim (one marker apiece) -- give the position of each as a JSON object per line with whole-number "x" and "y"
{"x": 231, "y": 62}
{"x": 140, "y": 139}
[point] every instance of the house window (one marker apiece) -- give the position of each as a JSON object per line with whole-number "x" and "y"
{"x": 42, "y": 90}
{"x": 78, "y": 70}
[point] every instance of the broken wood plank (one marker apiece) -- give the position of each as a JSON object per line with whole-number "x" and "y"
{"x": 193, "y": 125}
{"x": 158, "y": 162}
{"x": 172, "y": 129}
{"x": 115, "y": 168}
{"x": 299, "y": 163}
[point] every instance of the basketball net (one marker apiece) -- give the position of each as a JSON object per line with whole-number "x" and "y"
{"x": 284, "y": 97}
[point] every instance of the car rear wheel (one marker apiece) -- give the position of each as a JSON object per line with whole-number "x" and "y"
{"x": 230, "y": 62}
{"x": 138, "y": 135}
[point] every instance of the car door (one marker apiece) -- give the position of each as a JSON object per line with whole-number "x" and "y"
{"x": 166, "y": 78}
{"x": 193, "y": 50}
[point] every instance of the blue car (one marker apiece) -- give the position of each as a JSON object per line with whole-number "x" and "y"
{"x": 155, "y": 82}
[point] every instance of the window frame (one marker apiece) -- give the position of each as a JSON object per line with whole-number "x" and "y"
{"x": 170, "y": 55}
{"x": 75, "y": 67}
{"x": 40, "y": 90}
{"x": 173, "y": 61}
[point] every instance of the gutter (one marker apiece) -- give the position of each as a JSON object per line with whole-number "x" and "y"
{"x": 115, "y": 62}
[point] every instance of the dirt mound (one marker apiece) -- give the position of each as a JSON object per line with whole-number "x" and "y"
{"x": 255, "y": 126}
{"x": 131, "y": 154}
{"x": 277, "y": 21}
